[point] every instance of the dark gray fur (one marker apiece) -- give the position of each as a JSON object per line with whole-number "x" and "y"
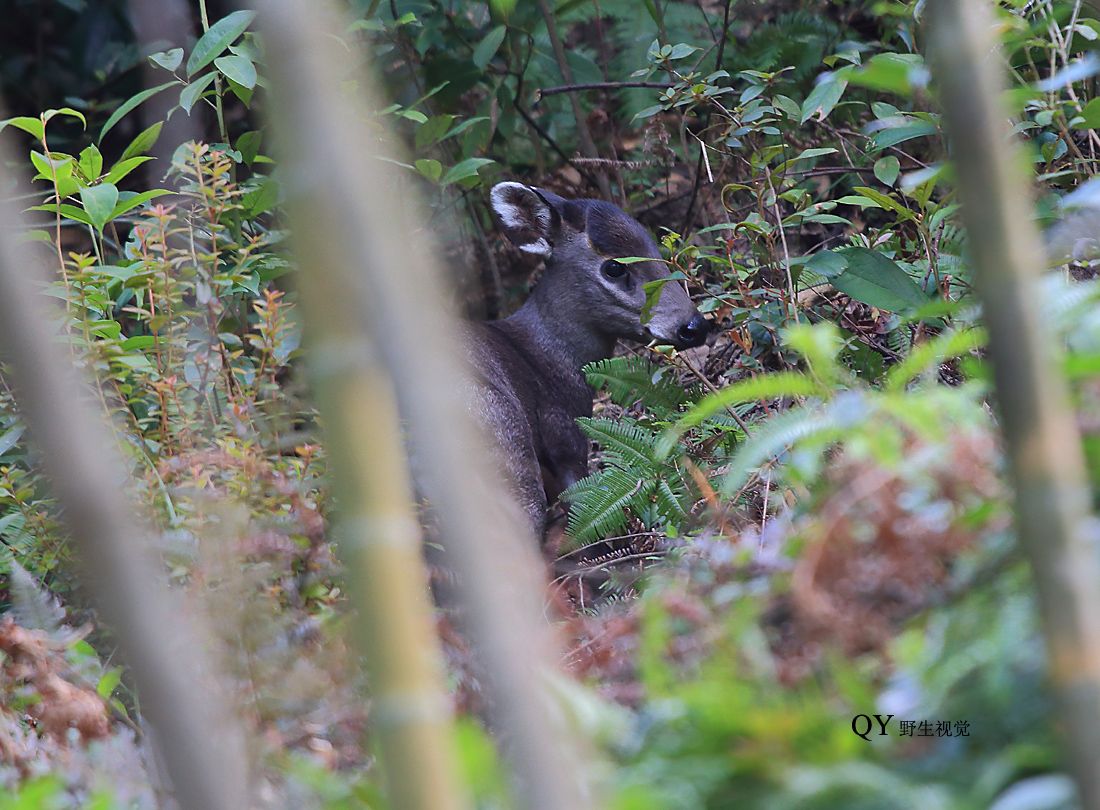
{"x": 530, "y": 387}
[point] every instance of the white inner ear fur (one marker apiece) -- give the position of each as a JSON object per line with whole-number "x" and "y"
{"x": 516, "y": 216}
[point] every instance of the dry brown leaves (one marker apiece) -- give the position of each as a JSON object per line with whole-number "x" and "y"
{"x": 35, "y": 668}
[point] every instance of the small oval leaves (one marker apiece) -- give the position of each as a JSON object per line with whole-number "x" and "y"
{"x": 877, "y": 281}
{"x": 221, "y": 35}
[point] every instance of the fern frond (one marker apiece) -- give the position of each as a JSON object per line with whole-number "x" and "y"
{"x": 931, "y": 353}
{"x": 766, "y": 386}
{"x": 32, "y": 606}
{"x": 602, "y": 511}
{"x": 631, "y": 379}
{"x": 632, "y": 444}
{"x": 777, "y": 435}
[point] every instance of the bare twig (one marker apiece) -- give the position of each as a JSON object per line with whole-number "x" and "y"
{"x": 572, "y": 88}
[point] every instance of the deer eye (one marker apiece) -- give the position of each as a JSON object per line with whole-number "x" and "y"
{"x": 613, "y": 269}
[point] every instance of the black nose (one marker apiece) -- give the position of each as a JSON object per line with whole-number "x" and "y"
{"x": 694, "y": 332}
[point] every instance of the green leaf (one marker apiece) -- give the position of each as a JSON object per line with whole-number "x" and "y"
{"x": 143, "y": 142}
{"x": 249, "y": 146}
{"x": 69, "y": 111}
{"x": 886, "y": 170}
{"x": 1089, "y": 117}
{"x": 429, "y": 133}
{"x": 136, "y": 200}
{"x": 460, "y": 171}
{"x": 824, "y": 97}
{"x": 111, "y": 677}
{"x": 826, "y": 263}
{"x": 892, "y": 72}
{"x": 169, "y": 60}
{"x": 238, "y": 69}
{"x": 877, "y": 281}
{"x": 34, "y": 126}
{"x": 892, "y": 136}
{"x": 221, "y": 35}
{"x": 489, "y": 45}
{"x": 9, "y": 439}
{"x": 91, "y": 163}
{"x": 191, "y": 92}
{"x": 263, "y": 198}
{"x": 431, "y": 169}
{"x": 124, "y": 167}
{"x": 653, "y": 290}
{"x": 99, "y": 201}
{"x": 130, "y": 104}
{"x": 885, "y": 201}
{"x": 806, "y": 154}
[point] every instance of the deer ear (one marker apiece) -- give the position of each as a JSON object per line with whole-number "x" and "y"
{"x": 525, "y": 217}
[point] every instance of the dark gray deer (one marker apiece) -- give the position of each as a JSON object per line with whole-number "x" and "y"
{"x": 529, "y": 383}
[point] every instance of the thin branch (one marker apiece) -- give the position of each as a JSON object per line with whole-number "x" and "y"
{"x": 572, "y": 88}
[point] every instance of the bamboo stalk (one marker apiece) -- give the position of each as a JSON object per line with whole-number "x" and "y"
{"x": 198, "y": 745}
{"x": 348, "y": 210}
{"x": 1052, "y": 496}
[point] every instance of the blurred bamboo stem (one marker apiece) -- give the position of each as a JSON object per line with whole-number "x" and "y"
{"x": 1052, "y": 495}
{"x": 347, "y": 209}
{"x": 199, "y": 746}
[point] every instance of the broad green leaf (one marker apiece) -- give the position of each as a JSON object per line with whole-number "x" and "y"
{"x": 653, "y": 290}
{"x": 885, "y": 201}
{"x": 249, "y": 145}
{"x": 240, "y": 91}
{"x": 429, "y": 133}
{"x": 169, "y": 60}
{"x": 460, "y": 171}
{"x": 892, "y": 136}
{"x": 892, "y": 72}
{"x": 1089, "y": 117}
{"x": 431, "y": 169}
{"x": 68, "y": 211}
{"x": 824, "y": 97}
{"x": 34, "y": 126}
{"x": 191, "y": 92}
{"x": 69, "y": 111}
{"x": 57, "y": 165}
{"x": 137, "y": 199}
{"x": 262, "y": 198}
{"x": 237, "y": 68}
{"x": 806, "y": 154}
{"x": 827, "y": 263}
{"x": 143, "y": 142}
{"x": 124, "y": 167}
{"x": 489, "y": 45}
{"x": 99, "y": 201}
{"x": 130, "y": 104}
{"x": 91, "y": 163}
{"x": 886, "y": 170}
{"x": 221, "y": 35}
{"x": 877, "y": 281}
{"x": 9, "y": 439}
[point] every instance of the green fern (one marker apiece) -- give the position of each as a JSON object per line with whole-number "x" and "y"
{"x": 634, "y": 379}
{"x": 632, "y": 483}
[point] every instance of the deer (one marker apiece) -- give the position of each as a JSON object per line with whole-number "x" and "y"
{"x": 529, "y": 387}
